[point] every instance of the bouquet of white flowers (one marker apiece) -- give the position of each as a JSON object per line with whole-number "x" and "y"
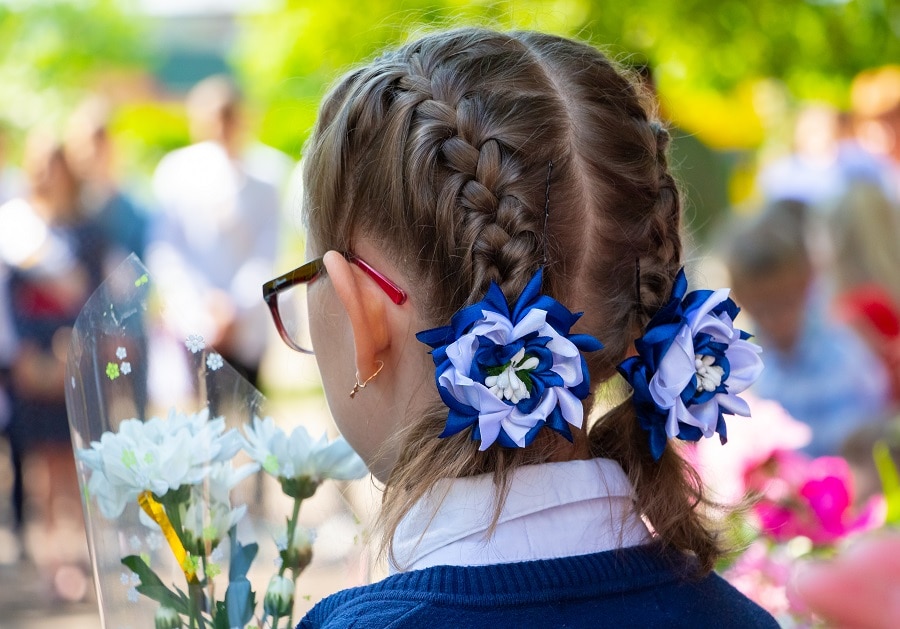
{"x": 160, "y": 479}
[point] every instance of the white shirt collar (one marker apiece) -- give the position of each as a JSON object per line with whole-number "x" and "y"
{"x": 552, "y": 510}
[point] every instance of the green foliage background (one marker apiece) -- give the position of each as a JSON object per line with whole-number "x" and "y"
{"x": 727, "y": 70}
{"x": 713, "y": 59}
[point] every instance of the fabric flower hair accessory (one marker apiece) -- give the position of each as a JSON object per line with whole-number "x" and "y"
{"x": 691, "y": 365}
{"x": 507, "y": 374}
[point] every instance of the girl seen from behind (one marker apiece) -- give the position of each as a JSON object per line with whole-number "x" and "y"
{"x": 466, "y": 196}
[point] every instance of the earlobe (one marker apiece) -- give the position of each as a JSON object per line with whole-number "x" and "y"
{"x": 364, "y": 303}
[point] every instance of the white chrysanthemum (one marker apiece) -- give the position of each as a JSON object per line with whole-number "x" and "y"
{"x": 303, "y": 539}
{"x": 301, "y": 456}
{"x": 157, "y": 456}
{"x": 209, "y": 515}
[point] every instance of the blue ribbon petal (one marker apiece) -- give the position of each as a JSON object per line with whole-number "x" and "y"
{"x": 457, "y": 422}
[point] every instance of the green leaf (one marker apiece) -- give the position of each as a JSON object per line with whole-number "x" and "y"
{"x": 153, "y": 588}
{"x": 890, "y": 481}
{"x": 221, "y": 621}
{"x": 525, "y": 376}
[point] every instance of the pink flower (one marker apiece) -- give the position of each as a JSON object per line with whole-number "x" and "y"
{"x": 858, "y": 587}
{"x": 811, "y": 498}
{"x": 762, "y": 576}
{"x": 750, "y": 445}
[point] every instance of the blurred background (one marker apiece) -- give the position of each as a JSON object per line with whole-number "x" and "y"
{"x": 786, "y": 118}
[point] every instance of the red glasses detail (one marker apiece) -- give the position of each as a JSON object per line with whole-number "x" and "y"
{"x": 286, "y": 297}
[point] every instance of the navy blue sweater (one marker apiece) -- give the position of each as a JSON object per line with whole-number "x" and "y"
{"x": 632, "y": 587}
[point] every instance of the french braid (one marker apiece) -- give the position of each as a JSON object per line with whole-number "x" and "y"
{"x": 440, "y": 151}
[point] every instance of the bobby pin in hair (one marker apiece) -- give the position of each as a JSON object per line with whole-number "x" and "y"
{"x": 637, "y": 281}
{"x": 547, "y": 210}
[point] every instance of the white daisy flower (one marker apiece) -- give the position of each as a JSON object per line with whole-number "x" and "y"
{"x": 195, "y": 343}
{"x": 214, "y": 361}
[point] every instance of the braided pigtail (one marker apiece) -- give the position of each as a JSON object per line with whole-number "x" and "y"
{"x": 434, "y": 149}
{"x": 669, "y": 492}
{"x": 634, "y": 217}
{"x": 439, "y": 151}
{"x": 481, "y": 205}
{"x": 662, "y": 258}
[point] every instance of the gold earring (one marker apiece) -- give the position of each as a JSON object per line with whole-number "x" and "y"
{"x": 362, "y": 385}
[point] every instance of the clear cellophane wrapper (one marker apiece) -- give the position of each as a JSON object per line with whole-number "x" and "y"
{"x": 201, "y": 535}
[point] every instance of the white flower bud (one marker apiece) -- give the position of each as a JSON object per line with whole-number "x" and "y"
{"x": 297, "y": 554}
{"x": 167, "y": 618}
{"x": 279, "y": 598}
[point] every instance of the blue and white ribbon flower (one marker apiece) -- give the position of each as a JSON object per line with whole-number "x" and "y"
{"x": 691, "y": 365}
{"x": 507, "y": 374}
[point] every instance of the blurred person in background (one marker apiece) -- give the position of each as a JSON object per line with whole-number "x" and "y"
{"x": 10, "y": 178}
{"x": 7, "y": 352}
{"x": 864, "y": 231}
{"x": 9, "y": 188}
{"x": 819, "y": 370}
{"x": 90, "y": 151}
{"x": 826, "y": 159}
{"x": 216, "y": 237}
{"x": 56, "y": 256}
{"x": 875, "y": 98}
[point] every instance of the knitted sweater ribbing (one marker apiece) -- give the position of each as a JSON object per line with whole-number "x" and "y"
{"x": 631, "y": 587}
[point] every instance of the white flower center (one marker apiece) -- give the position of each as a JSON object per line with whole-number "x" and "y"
{"x": 507, "y": 385}
{"x": 709, "y": 376}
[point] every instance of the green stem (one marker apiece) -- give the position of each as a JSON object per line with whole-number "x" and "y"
{"x": 196, "y": 596}
{"x": 291, "y": 612}
{"x": 209, "y": 584}
{"x": 291, "y": 529}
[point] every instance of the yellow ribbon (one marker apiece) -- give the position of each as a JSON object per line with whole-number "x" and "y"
{"x": 158, "y": 514}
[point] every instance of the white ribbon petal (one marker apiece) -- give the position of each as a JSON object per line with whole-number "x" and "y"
{"x": 568, "y": 368}
{"x": 518, "y": 424}
{"x": 491, "y": 418}
{"x": 706, "y": 416}
{"x": 675, "y": 370}
{"x": 703, "y": 416}
{"x": 462, "y": 351}
{"x": 533, "y": 321}
{"x": 494, "y": 327}
{"x": 697, "y": 316}
{"x": 733, "y": 404}
{"x": 570, "y": 406}
{"x": 672, "y": 427}
{"x": 721, "y": 330}
{"x": 746, "y": 365}
{"x": 560, "y": 345}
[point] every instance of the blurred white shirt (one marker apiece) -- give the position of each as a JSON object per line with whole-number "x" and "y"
{"x": 217, "y": 232}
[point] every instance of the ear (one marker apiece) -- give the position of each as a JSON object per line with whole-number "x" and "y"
{"x": 364, "y": 302}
